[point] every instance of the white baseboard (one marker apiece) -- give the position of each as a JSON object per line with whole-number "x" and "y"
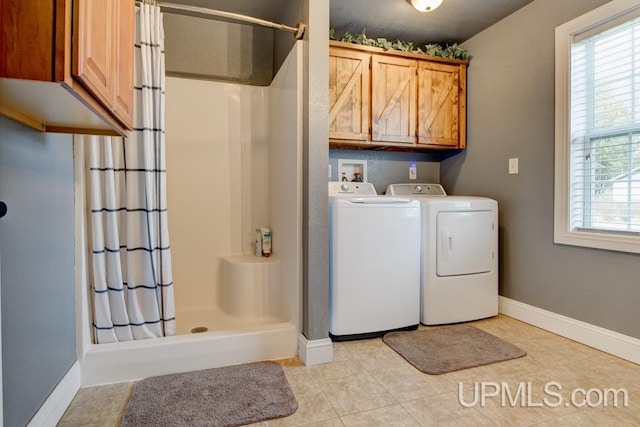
{"x": 59, "y": 400}
{"x": 315, "y": 352}
{"x": 603, "y": 339}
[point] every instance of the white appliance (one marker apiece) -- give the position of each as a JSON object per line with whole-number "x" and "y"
{"x": 374, "y": 262}
{"x": 459, "y": 268}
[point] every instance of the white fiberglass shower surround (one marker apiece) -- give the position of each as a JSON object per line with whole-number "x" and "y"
{"x": 233, "y": 164}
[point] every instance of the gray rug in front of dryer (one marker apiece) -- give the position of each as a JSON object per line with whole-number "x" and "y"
{"x": 451, "y": 348}
{"x": 229, "y": 396}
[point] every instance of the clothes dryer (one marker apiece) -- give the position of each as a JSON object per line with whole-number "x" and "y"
{"x": 459, "y": 263}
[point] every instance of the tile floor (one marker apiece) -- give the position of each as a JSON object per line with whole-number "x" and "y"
{"x": 368, "y": 384}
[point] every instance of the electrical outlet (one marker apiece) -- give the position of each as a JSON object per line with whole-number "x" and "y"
{"x": 413, "y": 171}
{"x": 513, "y": 166}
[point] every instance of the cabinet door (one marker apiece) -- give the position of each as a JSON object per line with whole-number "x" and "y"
{"x": 393, "y": 99}
{"x": 348, "y": 94}
{"x": 441, "y": 104}
{"x": 124, "y": 62}
{"x": 94, "y": 46}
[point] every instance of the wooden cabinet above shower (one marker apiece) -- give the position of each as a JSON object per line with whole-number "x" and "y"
{"x": 67, "y": 66}
{"x": 393, "y": 100}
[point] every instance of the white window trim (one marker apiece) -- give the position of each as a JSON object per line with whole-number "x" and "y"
{"x": 564, "y": 34}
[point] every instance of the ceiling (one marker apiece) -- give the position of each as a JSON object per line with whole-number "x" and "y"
{"x": 454, "y": 21}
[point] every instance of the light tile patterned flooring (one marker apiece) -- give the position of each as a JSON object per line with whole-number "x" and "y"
{"x": 368, "y": 384}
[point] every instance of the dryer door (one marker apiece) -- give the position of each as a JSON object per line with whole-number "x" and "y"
{"x": 465, "y": 243}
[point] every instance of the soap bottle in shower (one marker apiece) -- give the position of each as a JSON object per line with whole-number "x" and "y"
{"x": 266, "y": 241}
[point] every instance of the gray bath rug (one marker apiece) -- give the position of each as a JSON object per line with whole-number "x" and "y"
{"x": 450, "y": 348}
{"x": 229, "y": 396}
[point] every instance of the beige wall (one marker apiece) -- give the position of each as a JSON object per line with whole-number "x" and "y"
{"x": 217, "y": 146}
{"x": 233, "y": 164}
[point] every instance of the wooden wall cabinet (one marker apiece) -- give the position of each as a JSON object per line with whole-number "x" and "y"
{"x": 67, "y": 66}
{"x": 349, "y": 94}
{"x": 441, "y": 104}
{"x": 393, "y": 99}
{"x": 411, "y": 101}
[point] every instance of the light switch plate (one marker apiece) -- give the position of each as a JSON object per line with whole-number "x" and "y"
{"x": 513, "y": 166}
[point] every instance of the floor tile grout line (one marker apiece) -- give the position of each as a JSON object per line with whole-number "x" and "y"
{"x": 371, "y": 409}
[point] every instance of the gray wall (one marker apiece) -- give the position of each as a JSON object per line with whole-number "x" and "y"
{"x": 510, "y": 112}
{"x": 210, "y": 49}
{"x": 315, "y": 158}
{"x": 293, "y": 11}
{"x": 214, "y": 49}
{"x": 37, "y": 246}
{"x": 385, "y": 167}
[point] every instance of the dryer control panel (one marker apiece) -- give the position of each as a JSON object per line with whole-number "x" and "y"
{"x": 415, "y": 190}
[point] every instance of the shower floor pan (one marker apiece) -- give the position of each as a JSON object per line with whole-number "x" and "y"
{"x": 246, "y": 325}
{"x": 216, "y": 320}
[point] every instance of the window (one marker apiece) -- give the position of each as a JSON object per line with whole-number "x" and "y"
{"x": 597, "y": 194}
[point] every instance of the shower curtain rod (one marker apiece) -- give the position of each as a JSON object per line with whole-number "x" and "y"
{"x": 298, "y": 30}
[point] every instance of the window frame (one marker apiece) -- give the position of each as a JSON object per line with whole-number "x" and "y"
{"x": 563, "y": 234}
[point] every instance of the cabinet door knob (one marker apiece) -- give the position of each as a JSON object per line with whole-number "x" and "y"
{"x": 3, "y": 209}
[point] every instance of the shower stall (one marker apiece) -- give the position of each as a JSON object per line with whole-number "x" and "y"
{"x": 233, "y": 164}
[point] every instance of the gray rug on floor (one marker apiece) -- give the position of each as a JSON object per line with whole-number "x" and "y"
{"x": 450, "y": 348}
{"x": 229, "y": 396}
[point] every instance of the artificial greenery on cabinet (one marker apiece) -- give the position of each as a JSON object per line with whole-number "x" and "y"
{"x": 449, "y": 51}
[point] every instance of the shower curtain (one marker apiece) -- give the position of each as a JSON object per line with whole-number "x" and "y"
{"x": 132, "y": 277}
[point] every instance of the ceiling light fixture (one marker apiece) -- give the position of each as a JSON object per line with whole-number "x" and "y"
{"x": 426, "y": 5}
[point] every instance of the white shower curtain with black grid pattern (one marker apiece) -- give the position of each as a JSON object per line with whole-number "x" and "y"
{"x": 131, "y": 255}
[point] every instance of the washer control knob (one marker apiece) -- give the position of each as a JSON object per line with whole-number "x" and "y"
{"x": 419, "y": 188}
{"x": 344, "y": 187}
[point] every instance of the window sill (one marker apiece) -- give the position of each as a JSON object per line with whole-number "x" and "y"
{"x": 598, "y": 240}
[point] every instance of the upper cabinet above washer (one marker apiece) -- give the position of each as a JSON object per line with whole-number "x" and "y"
{"x": 349, "y": 90}
{"x": 395, "y": 100}
{"x": 67, "y": 66}
{"x": 441, "y": 104}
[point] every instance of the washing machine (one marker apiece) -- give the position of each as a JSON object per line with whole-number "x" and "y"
{"x": 459, "y": 265}
{"x": 374, "y": 262}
